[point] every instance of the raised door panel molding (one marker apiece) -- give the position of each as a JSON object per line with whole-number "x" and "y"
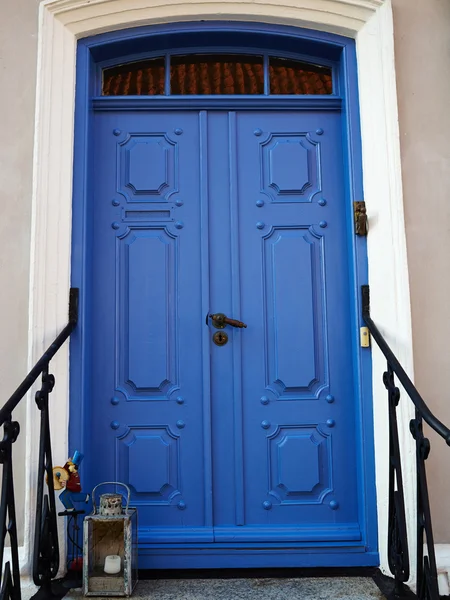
{"x": 300, "y": 469}
{"x": 147, "y": 366}
{"x": 147, "y": 168}
{"x": 290, "y": 167}
{"x": 154, "y": 481}
{"x": 296, "y": 344}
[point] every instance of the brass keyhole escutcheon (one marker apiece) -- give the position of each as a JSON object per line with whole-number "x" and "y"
{"x": 220, "y": 338}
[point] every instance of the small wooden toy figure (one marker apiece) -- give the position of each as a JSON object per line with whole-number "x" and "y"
{"x": 67, "y": 478}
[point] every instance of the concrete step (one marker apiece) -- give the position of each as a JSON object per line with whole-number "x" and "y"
{"x": 308, "y": 588}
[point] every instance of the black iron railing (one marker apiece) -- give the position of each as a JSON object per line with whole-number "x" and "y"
{"x": 46, "y": 549}
{"x": 398, "y": 552}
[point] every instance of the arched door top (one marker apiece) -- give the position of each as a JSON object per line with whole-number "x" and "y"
{"x": 216, "y": 58}
{"x": 316, "y": 48}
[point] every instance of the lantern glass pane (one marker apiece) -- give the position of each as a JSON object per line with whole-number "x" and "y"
{"x": 106, "y": 538}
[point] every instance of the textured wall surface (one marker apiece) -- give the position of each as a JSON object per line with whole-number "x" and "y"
{"x": 422, "y": 44}
{"x": 422, "y": 53}
{"x": 18, "y": 37}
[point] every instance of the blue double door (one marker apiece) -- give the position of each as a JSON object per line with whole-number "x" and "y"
{"x": 246, "y": 447}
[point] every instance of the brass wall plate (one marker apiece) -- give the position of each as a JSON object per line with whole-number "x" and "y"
{"x": 220, "y": 338}
{"x": 364, "y": 337}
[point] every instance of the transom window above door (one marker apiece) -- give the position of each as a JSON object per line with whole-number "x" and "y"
{"x": 217, "y": 74}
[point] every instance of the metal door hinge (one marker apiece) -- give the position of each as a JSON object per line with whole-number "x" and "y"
{"x": 360, "y": 217}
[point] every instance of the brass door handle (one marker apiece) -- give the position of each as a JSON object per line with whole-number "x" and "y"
{"x": 219, "y": 320}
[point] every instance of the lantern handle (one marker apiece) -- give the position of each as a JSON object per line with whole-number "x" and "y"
{"x": 94, "y": 505}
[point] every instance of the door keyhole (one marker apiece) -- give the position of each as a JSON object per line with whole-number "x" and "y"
{"x": 220, "y": 338}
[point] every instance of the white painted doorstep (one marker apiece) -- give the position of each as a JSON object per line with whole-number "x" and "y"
{"x": 62, "y": 22}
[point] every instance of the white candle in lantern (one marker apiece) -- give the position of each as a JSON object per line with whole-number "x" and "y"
{"x": 112, "y": 564}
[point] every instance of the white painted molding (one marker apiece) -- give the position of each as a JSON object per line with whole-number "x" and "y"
{"x": 87, "y": 17}
{"x": 443, "y": 567}
{"x": 370, "y": 22}
{"x": 388, "y": 267}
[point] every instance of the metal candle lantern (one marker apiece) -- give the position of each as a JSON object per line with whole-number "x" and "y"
{"x": 110, "y": 546}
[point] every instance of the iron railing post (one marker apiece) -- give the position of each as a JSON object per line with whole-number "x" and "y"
{"x": 46, "y": 547}
{"x": 10, "y": 587}
{"x": 398, "y": 551}
{"x": 46, "y": 550}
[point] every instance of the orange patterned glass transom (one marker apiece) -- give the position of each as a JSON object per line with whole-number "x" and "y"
{"x": 143, "y": 78}
{"x": 217, "y": 74}
{"x": 293, "y": 77}
{"x": 210, "y": 74}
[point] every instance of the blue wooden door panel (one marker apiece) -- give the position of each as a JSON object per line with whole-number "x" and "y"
{"x": 283, "y": 401}
{"x": 299, "y": 407}
{"x": 241, "y": 213}
{"x": 147, "y": 394}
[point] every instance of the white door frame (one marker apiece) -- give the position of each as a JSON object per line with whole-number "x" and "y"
{"x": 61, "y": 23}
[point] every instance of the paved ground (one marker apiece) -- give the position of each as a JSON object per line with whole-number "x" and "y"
{"x": 342, "y": 588}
